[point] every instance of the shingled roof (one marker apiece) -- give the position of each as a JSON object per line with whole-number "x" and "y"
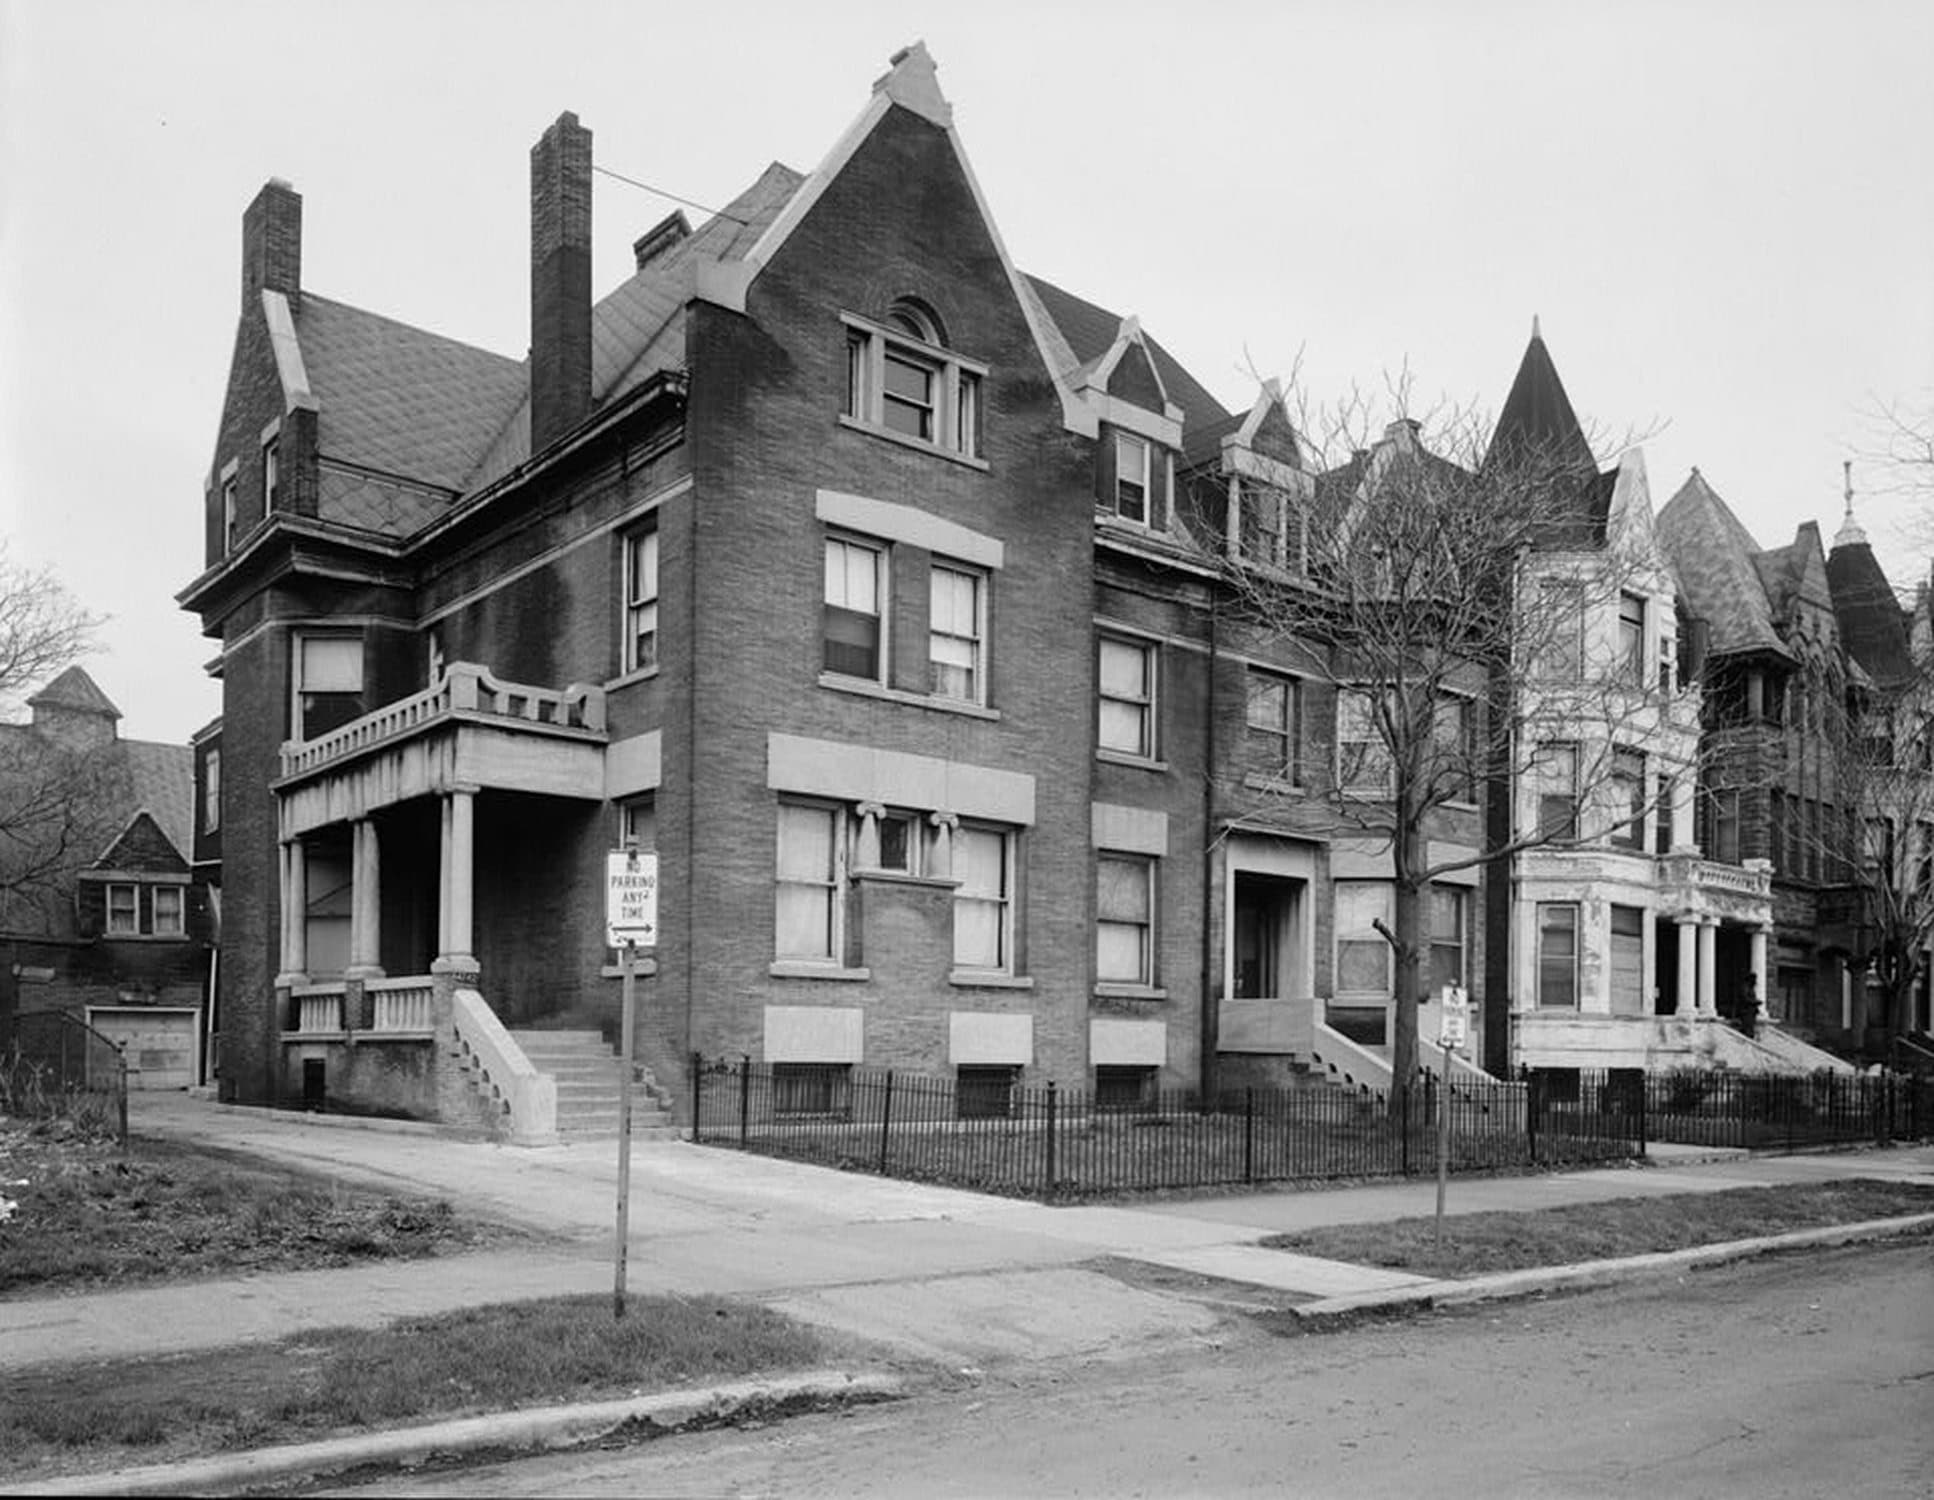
{"x": 1714, "y": 556}
{"x": 1088, "y": 332}
{"x": 1869, "y": 613}
{"x": 75, "y": 691}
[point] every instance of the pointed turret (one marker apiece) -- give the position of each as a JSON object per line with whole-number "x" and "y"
{"x": 1537, "y": 417}
{"x": 1872, "y": 623}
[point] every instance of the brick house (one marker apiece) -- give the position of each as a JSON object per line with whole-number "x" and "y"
{"x": 112, "y": 927}
{"x": 869, "y": 582}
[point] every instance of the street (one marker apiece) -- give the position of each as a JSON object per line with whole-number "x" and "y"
{"x": 1801, "y": 1375}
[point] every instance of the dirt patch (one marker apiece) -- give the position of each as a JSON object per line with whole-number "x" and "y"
{"x": 79, "y": 1211}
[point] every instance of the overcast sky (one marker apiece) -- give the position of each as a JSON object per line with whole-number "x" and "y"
{"x": 1722, "y": 212}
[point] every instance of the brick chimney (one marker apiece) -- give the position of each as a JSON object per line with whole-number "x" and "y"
{"x": 272, "y": 244}
{"x": 560, "y": 281}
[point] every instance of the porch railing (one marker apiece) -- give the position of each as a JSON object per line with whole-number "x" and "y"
{"x": 403, "y": 1004}
{"x": 505, "y": 1077}
{"x": 318, "y": 1008}
{"x": 465, "y": 688}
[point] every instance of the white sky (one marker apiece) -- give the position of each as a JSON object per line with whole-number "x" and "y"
{"x": 1722, "y": 212}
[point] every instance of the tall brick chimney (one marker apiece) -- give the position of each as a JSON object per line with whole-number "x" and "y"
{"x": 272, "y": 244}
{"x": 560, "y": 280}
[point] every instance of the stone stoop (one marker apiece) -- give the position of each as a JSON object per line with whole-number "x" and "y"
{"x": 585, "y": 1068}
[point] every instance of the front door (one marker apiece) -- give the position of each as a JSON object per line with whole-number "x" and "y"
{"x": 1265, "y": 910}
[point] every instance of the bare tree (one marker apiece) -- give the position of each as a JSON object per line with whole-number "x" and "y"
{"x": 50, "y": 791}
{"x": 43, "y": 631}
{"x": 1460, "y": 598}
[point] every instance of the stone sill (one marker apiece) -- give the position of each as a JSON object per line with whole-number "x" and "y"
{"x": 1123, "y": 758}
{"x": 799, "y": 969}
{"x": 919, "y": 445}
{"x": 866, "y": 687}
{"x": 1130, "y": 992}
{"x": 969, "y": 979}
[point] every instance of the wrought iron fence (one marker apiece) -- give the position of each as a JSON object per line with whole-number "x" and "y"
{"x": 997, "y": 1135}
{"x": 1786, "y": 1112}
{"x": 53, "y": 1066}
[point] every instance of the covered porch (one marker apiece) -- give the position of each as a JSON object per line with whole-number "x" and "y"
{"x": 423, "y": 846}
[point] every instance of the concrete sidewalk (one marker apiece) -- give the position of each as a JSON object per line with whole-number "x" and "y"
{"x": 934, "y": 1272}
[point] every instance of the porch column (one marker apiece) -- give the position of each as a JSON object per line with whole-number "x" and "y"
{"x": 1708, "y": 967}
{"x": 295, "y": 915}
{"x": 1759, "y": 972}
{"x": 365, "y": 903}
{"x": 1687, "y": 1000}
{"x": 459, "y": 844}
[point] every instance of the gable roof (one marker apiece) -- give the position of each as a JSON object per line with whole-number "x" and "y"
{"x": 1714, "y": 556}
{"x": 1087, "y": 332}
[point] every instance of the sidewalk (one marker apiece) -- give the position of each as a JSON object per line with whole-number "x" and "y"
{"x": 931, "y": 1271}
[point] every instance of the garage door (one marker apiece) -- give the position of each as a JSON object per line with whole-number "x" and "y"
{"x": 159, "y": 1045}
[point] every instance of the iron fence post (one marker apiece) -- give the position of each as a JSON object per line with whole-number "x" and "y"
{"x": 886, "y": 1118}
{"x": 1249, "y": 1134}
{"x": 1644, "y": 1080}
{"x": 698, "y": 1085}
{"x": 1531, "y": 1113}
{"x": 1047, "y": 1189}
{"x": 745, "y": 1097}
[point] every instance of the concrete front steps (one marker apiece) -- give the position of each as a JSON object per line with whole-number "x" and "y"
{"x": 585, "y": 1067}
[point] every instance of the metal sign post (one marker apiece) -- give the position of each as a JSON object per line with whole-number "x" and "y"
{"x": 1451, "y": 1035}
{"x": 631, "y": 918}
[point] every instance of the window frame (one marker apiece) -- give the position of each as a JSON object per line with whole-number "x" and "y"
{"x": 1543, "y": 961}
{"x": 1460, "y": 904}
{"x": 1370, "y": 773}
{"x": 834, "y": 884}
{"x": 211, "y": 790}
{"x": 1361, "y": 934}
{"x": 954, "y": 391}
{"x": 1288, "y": 766}
{"x": 1617, "y": 943}
{"x": 881, "y": 553}
{"x": 271, "y": 473}
{"x": 132, "y": 891}
{"x": 977, "y": 579}
{"x": 1631, "y": 636}
{"x": 298, "y": 692}
{"x": 231, "y": 515}
{"x": 1563, "y": 830}
{"x": 1144, "y": 705}
{"x": 1146, "y": 974}
{"x": 1145, "y": 484}
{"x": 1001, "y": 900}
{"x": 177, "y": 926}
{"x": 1628, "y": 777}
{"x": 640, "y": 556}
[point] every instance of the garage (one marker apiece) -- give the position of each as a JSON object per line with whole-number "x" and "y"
{"x": 157, "y": 1041}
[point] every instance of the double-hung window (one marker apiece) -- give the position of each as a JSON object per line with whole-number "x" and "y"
{"x": 271, "y": 475}
{"x": 1124, "y": 919}
{"x": 957, "y": 633}
{"x": 123, "y": 910}
{"x": 1449, "y": 921}
{"x": 809, "y": 919}
{"x": 211, "y": 790}
{"x": 1557, "y": 953}
{"x": 1557, "y": 780}
{"x": 1362, "y": 758}
{"x": 641, "y": 600}
{"x": 1628, "y": 961}
{"x": 1126, "y": 681}
{"x": 852, "y": 624}
{"x": 231, "y": 518}
{"x": 169, "y": 919}
{"x": 1628, "y": 798}
{"x": 1133, "y": 455}
{"x": 902, "y": 380}
{"x": 983, "y": 899}
{"x": 1631, "y": 638}
{"x": 1363, "y": 954}
{"x": 1271, "y": 720}
{"x": 328, "y": 684}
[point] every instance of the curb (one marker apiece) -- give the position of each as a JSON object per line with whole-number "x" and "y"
{"x": 534, "y": 1428}
{"x": 1506, "y": 1284}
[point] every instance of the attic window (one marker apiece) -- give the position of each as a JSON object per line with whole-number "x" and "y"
{"x": 902, "y": 382}
{"x": 1131, "y": 477}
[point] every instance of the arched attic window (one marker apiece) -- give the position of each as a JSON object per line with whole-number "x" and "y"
{"x": 903, "y": 381}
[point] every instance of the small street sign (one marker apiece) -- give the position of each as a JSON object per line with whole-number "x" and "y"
{"x": 631, "y": 898}
{"x": 1454, "y": 1027}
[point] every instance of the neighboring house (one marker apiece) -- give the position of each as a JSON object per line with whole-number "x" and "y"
{"x": 101, "y": 916}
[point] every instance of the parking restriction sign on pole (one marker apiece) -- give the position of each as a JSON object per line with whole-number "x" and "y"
{"x": 1452, "y": 1032}
{"x": 630, "y": 918}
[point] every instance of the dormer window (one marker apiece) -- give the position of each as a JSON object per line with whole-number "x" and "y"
{"x": 1131, "y": 477}
{"x": 904, "y": 383}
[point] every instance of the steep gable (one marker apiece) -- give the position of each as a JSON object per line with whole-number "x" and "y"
{"x": 1712, "y": 553}
{"x": 142, "y": 848}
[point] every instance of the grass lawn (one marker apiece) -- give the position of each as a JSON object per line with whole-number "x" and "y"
{"x": 1475, "y": 1244}
{"x": 87, "y": 1213}
{"x": 118, "y": 1414}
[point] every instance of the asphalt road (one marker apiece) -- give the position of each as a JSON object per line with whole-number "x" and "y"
{"x": 1801, "y": 1375}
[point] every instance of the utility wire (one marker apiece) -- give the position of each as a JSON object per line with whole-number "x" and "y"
{"x": 660, "y": 192}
